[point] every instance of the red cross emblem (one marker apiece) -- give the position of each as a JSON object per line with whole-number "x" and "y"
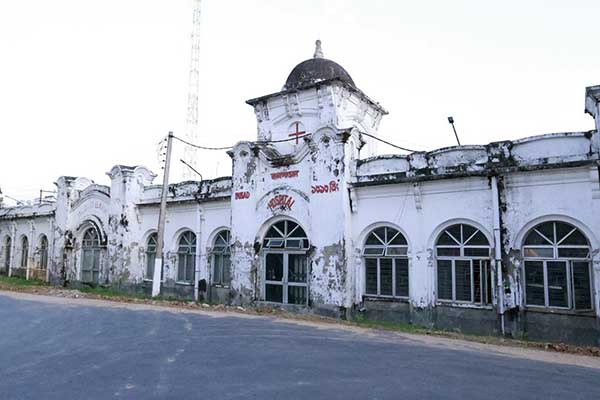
{"x": 297, "y": 133}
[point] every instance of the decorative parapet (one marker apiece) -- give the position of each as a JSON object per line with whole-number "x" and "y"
{"x": 555, "y": 150}
{"x": 208, "y": 190}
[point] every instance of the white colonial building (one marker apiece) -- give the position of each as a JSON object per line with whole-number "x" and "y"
{"x": 498, "y": 238}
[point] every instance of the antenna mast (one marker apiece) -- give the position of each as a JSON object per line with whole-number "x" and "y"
{"x": 191, "y": 134}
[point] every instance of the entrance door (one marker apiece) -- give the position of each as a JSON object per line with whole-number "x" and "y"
{"x": 286, "y": 264}
{"x": 286, "y": 278}
{"x": 90, "y": 257}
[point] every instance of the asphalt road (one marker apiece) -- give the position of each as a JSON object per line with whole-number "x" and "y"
{"x": 58, "y": 351}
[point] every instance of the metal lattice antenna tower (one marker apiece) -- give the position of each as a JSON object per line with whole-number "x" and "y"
{"x": 191, "y": 134}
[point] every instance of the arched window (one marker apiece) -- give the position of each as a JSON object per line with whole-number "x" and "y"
{"x": 386, "y": 263}
{"x": 286, "y": 264}
{"x": 151, "y": 256}
{"x": 557, "y": 267}
{"x": 186, "y": 257}
{"x": 90, "y": 256}
{"x": 43, "y": 252}
{"x": 463, "y": 265}
{"x": 7, "y": 254}
{"x": 24, "y": 251}
{"x": 221, "y": 259}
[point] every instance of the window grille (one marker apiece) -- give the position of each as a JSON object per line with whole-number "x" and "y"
{"x": 463, "y": 266}
{"x": 221, "y": 259}
{"x": 186, "y": 257}
{"x": 386, "y": 263}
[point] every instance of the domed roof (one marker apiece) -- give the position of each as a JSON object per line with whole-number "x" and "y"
{"x": 314, "y": 70}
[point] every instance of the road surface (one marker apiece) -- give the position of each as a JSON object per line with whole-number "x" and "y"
{"x": 88, "y": 349}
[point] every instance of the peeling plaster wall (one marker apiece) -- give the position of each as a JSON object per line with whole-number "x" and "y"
{"x": 420, "y": 212}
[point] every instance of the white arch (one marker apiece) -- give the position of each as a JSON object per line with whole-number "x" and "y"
{"x": 362, "y": 237}
{"x": 440, "y": 228}
{"x": 210, "y": 240}
{"x": 262, "y": 231}
{"x": 520, "y": 237}
{"x": 174, "y": 245}
{"x": 146, "y": 237}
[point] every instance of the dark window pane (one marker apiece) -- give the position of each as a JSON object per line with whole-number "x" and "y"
{"x": 150, "y": 259}
{"x": 401, "y": 277}
{"x": 534, "y": 238}
{"x": 446, "y": 240}
{"x": 396, "y": 238}
{"x": 488, "y": 281}
{"x": 371, "y": 275}
{"x": 534, "y": 283}
{"x": 463, "y": 280}
{"x": 374, "y": 251}
{"x": 541, "y": 252}
{"x": 385, "y": 280}
{"x": 557, "y": 284}
{"x": 444, "y": 279}
{"x": 293, "y": 243}
{"x": 397, "y": 251}
{"x": 217, "y": 269}
{"x": 274, "y": 293}
{"x": 573, "y": 252}
{"x": 189, "y": 267}
{"x": 297, "y": 295}
{"x": 575, "y": 239}
{"x": 476, "y": 252}
{"x": 454, "y": 231}
{"x": 448, "y": 251}
{"x": 372, "y": 239}
{"x": 570, "y": 234}
{"x": 226, "y": 270}
{"x": 547, "y": 230}
{"x": 297, "y": 268}
{"x": 478, "y": 240}
{"x": 582, "y": 285}
{"x": 468, "y": 231}
{"x": 274, "y": 268}
{"x": 478, "y": 282}
{"x": 272, "y": 233}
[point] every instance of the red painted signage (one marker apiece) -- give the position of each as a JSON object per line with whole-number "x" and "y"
{"x": 242, "y": 195}
{"x": 285, "y": 174}
{"x": 281, "y": 201}
{"x": 331, "y": 187}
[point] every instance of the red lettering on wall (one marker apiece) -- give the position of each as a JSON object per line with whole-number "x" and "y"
{"x": 281, "y": 201}
{"x": 285, "y": 174}
{"x": 242, "y": 195}
{"x": 330, "y": 187}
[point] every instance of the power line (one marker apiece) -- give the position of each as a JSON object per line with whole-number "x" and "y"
{"x": 287, "y": 140}
{"x": 388, "y": 143}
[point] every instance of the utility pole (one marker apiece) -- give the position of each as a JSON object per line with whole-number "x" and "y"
{"x": 160, "y": 237}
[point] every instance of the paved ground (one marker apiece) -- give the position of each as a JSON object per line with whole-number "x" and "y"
{"x": 70, "y": 349}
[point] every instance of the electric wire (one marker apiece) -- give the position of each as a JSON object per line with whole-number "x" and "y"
{"x": 390, "y": 144}
{"x": 262, "y": 142}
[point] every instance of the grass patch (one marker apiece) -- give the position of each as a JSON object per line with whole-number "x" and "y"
{"x": 389, "y": 326}
{"x": 109, "y": 292}
{"x": 17, "y": 281}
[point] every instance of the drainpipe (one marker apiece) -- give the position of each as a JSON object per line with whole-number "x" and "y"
{"x": 50, "y": 251}
{"x": 30, "y": 255}
{"x": 198, "y": 249}
{"x": 13, "y": 249}
{"x": 498, "y": 250}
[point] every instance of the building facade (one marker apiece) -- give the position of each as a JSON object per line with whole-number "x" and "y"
{"x": 494, "y": 239}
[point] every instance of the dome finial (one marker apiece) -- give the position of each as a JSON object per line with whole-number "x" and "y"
{"x": 318, "y": 50}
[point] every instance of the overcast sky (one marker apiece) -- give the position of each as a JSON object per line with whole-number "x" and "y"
{"x": 88, "y": 84}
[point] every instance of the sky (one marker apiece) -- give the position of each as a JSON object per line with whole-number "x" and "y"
{"x": 85, "y": 85}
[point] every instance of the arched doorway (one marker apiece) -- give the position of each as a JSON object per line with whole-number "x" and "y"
{"x": 285, "y": 264}
{"x": 91, "y": 250}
